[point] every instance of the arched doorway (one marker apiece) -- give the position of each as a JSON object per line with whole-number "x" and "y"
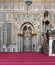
{"x": 27, "y": 39}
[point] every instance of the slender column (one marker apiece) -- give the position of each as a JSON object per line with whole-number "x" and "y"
{"x": 2, "y": 36}
{"x": 0, "y": 39}
{"x": 21, "y": 43}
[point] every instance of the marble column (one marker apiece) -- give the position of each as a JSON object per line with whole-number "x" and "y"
{"x": 18, "y": 42}
{"x": 21, "y": 43}
{"x": 2, "y": 38}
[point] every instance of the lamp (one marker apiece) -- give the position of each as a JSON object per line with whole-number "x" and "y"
{"x": 28, "y": 2}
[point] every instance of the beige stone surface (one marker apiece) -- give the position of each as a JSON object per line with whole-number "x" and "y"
{"x": 36, "y": 1}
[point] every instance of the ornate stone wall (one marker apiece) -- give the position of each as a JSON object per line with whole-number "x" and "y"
{"x": 15, "y": 13}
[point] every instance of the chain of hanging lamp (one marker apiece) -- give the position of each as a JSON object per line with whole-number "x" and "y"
{"x": 28, "y": 2}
